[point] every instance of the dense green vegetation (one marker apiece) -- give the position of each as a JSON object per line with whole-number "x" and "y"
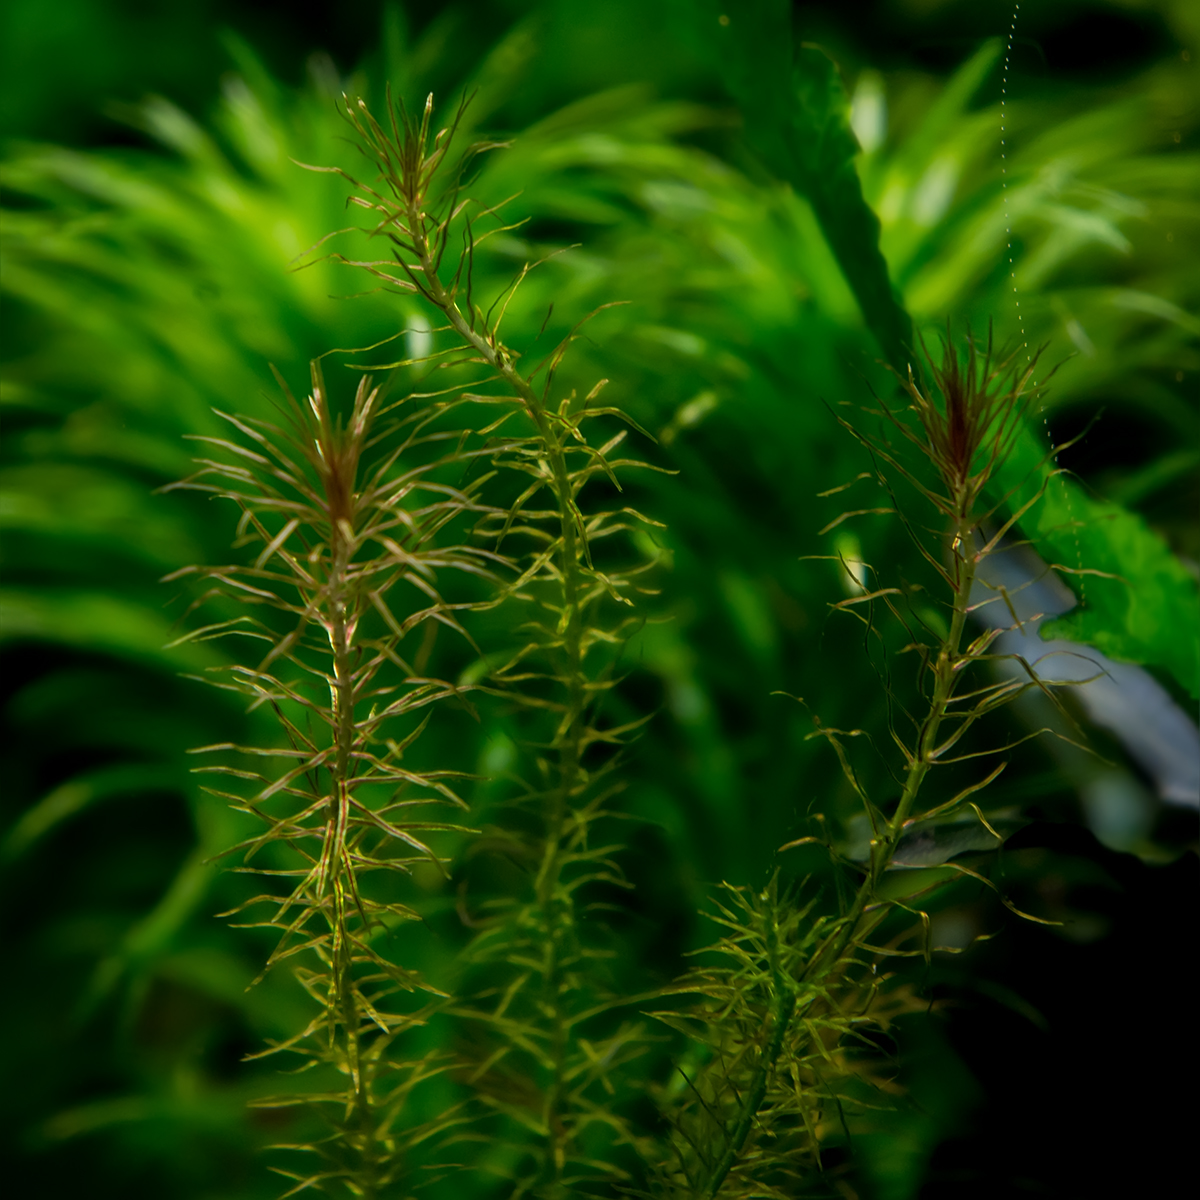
{"x": 737, "y": 223}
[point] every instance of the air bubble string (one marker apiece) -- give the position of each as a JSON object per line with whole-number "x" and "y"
{"x": 1012, "y": 270}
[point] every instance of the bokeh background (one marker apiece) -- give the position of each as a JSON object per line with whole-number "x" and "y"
{"x": 151, "y": 212}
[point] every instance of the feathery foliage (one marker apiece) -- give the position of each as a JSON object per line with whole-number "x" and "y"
{"x": 780, "y": 1021}
{"x": 349, "y": 521}
{"x": 534, "y": 1064}
{"x": 146, "y": 286}
{"x": 351, "y": 549}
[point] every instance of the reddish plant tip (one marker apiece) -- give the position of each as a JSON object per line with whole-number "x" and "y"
{"x": 961, "y": 432}
{"x": 332, "y": 447}
{"x": 969, "y": 415}
{"x": 954, "y": 433}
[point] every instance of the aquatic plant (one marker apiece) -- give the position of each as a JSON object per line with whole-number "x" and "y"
{"x": 793, "y": 992}
{"x": 760, "y": 282}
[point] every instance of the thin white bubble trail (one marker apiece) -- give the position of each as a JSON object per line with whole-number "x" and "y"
{"x": 1012, "y": 270}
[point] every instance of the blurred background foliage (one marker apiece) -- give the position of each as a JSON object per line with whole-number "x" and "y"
{"x": 152, "y": 210}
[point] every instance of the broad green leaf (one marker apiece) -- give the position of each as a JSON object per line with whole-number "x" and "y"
{"x": 797, "y": 117}
{"x": 1145, "y": 608}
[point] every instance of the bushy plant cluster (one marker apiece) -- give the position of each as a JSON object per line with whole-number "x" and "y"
{"x": 509, "y": 716}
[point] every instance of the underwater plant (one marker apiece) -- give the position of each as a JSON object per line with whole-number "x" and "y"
{"x": 356, "y": 523}
{"x": 537, "y": 950}
{"x": 348, "y": 518}
{"x": 793, "y": 991}
{"x": 506, "y": 1049}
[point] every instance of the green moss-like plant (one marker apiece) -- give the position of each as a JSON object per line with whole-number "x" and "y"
{"x": 355, "y": 526}
{"x": 782, "y": 1053}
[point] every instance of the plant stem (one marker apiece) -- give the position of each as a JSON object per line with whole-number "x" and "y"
{"x": 345, "y": 999}
{"x": 945, "y": 671}
{"x": 783, "y": 1006}
{"x": 833, "y": 951}
{"x": 361, "y": 1119}
{"x": 569, "y": 738}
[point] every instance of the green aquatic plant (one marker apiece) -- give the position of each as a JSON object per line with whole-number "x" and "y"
{"x": 791, "y": 991}
{"x": 356, "y": 525}
{"x": 533, "y": 1062}
{"x": 137, "y": 273}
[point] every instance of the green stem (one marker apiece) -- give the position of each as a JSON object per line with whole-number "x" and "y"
{"x": 570, "y": 737}
{"x": 362, "y": 1114}
{"x": 946, "y": 674}
{"x": 342, "y": 958}
{"x": 783, "y": 1007}
{"x": 831, "y": 954}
